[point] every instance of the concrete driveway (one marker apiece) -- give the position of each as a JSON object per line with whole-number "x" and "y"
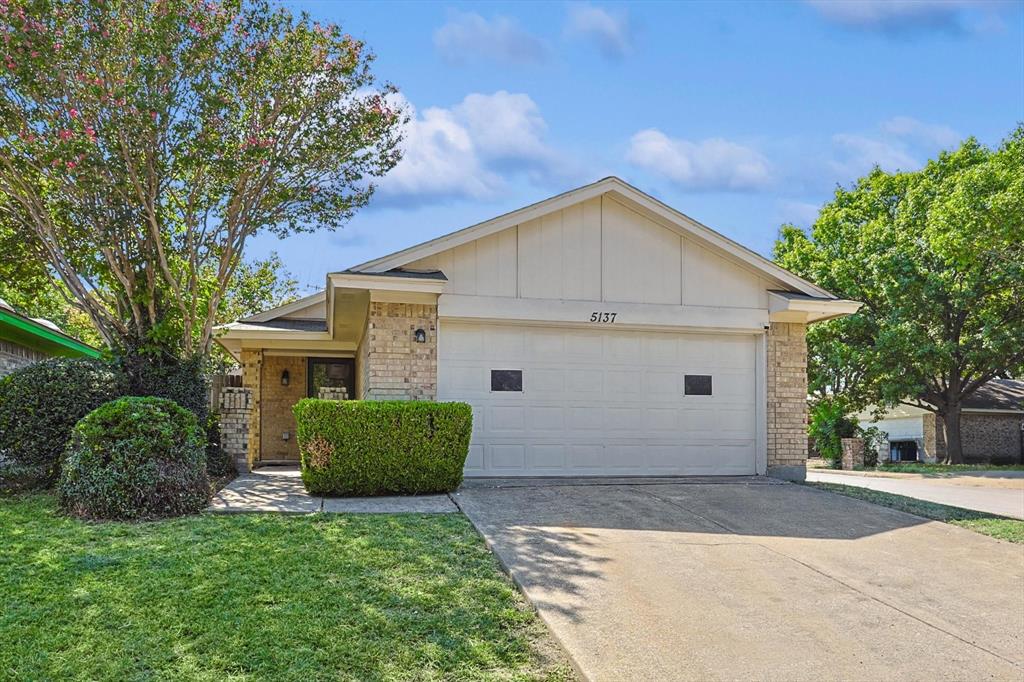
{"x": 994, "y": 492}
{"x": 754, "y": 579}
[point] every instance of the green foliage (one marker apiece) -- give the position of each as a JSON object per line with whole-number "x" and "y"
{"x": 874, "y": 439}
{"x": 257, "y": 286}
{"x": 145, "y": 143}
{"x": 135, "y": 458}
{"x": 829, "y": 424}
{"x": 41, "y": 403}
{"x": 218, "y": 461}
{"x": 351, "y": 447}
{"x": 152, "y": 371}
{"x": 937, "y": 258}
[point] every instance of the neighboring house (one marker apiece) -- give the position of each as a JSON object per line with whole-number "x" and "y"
{"x": 24, "y": 340}
{"x": 991, "y": 427}
{"x": 596, "y": 333}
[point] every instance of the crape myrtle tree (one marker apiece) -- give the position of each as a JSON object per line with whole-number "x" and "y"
{"x": 937, "y": 258}
{"x": 144, "y": 143}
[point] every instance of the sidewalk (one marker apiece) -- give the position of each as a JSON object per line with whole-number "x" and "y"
{"x": 992, "y": 492}
{"x": 280, "y": 489}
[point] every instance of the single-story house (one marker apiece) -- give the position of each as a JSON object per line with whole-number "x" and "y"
{"x": 24, "y": 340}
{"x": 991, "y": 427}
{"x": 599, "y": 332}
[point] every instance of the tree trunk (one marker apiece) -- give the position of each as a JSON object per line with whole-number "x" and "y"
{"x": 951, "y": 426}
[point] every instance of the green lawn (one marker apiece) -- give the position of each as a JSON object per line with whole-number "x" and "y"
{"x": 926, "y": 468}
{"x": 1011, "y": 530}
{"x": 260, "y": 597}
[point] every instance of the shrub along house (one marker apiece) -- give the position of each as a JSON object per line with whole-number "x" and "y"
{"x": 596, "y": 333}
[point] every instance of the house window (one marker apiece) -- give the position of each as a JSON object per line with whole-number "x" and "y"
{"x": 335, "y": 373}
{"x": 507, "y": 380}
{"x": 697, "y": 384}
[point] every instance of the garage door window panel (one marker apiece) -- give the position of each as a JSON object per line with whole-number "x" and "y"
{"x": 697, "y": 384}
{"x": 507, "y": 380}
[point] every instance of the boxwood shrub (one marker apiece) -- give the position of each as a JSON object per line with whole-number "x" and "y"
{"x": 364, "y": 447}
{"x": 135, "y": 458}
{"x": 41, "y": 403}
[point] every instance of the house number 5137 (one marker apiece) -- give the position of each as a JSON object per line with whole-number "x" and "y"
{"x": 603, "y": 317}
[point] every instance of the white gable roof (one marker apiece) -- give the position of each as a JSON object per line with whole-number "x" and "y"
{"x": 645, "y": 203}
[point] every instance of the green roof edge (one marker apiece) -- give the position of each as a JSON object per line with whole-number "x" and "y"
{"x": 48, "y": 335}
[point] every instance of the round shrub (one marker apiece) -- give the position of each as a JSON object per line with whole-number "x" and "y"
{"x": 41, "y": 403}
{"x": 135, "y": 458}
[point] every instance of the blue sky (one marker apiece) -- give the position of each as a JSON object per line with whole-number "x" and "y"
{"x": 742, "y": 115}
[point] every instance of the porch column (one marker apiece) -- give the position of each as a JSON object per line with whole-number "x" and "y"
{"x": 235, "y": 409}
{"x": 252, "y": 371}
{"x": 787, "y": 400}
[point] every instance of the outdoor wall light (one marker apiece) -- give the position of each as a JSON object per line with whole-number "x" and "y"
{"x": 285, "y": 378}
{"x": 420, "y": 336}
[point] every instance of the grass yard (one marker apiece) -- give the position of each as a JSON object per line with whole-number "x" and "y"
{"x": 260, "y": 597}
{"x": 926, "y": 468}
{"x": 1011, "y": 530}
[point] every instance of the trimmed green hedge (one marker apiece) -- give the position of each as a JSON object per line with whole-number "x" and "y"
{"x": 135, "y": 458}
{"x": 357, "y": 447}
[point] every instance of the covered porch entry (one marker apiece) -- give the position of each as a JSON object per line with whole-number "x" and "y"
{"x": 365, "y": 337}
{"x": 287, "y": 379}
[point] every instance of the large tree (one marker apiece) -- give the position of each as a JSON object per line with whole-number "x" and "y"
{"x": 143, "y": 143}
{"x": 937, "y": 257}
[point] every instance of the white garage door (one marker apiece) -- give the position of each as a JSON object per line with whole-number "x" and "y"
{"x": 601, "y": 402}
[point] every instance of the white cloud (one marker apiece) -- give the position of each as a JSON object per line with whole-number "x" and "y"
{"x": 468, "y": 37}
{"x": 926, "y": 133}
{"x": 712, "y": 164}
{"x": 859, "y": 153}
{"x": 612, "y": 34}
{"x": 900, "y": 144}
{"x": 469, "y": 150}
{"x": 800, "y": 213}
{"x": 900, "y": 16}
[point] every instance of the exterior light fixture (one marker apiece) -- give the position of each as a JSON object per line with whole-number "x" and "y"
{"x": 285, "y": 378}
{"x": 420, "y": 336}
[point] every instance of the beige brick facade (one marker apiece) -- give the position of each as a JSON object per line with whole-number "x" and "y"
{"x": 252, "y": 367}
{"x": 277, "y": 424}
{"x": 787, "y": 400}
{"x": 934, "y": 437}
{"x": 234, "y": 407}
{"x": 393, "y": 365}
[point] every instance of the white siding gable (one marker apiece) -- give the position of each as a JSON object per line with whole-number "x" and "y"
{"x": 597, "y": 250}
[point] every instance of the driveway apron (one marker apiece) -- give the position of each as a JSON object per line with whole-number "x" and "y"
{"x": 752, "y": 579}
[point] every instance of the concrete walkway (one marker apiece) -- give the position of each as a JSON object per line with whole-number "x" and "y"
{"x": 752, "y": 579}
{"x": 993, "y": 492}
{"x": 280, "y": 489}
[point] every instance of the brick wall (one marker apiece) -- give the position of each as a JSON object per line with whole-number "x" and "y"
{"x": 394, "y": 366}
{"x": 787, "y": 400}
{"x": 276, "y": 401}
{"x": 988, "y": 437}
{"x": 934, "y": 438}
{"x": 235, "y": 406}
{"x": 252, "y": 365}
{"x": 14, "y": 356}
